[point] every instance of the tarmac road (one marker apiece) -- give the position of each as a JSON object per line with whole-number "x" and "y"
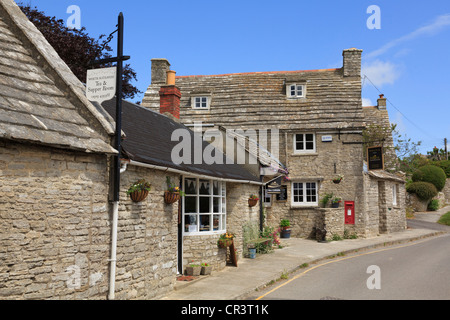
{"x": 409, "y": 271}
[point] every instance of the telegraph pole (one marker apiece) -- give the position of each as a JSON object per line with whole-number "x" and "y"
{"x": 445, "y": 144}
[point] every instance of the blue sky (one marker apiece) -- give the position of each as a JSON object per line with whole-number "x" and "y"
{"x": 407, "y": 59}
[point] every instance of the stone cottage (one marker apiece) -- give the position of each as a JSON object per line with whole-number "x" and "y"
{"x": 318, "y": 120}
{"x": 56, "y": 226}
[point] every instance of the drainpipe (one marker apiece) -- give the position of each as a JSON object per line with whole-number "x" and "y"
{"x": 115, "y": 221}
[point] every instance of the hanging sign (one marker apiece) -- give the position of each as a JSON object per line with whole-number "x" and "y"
{"x": 274, "y": 187}
{"x": 375, "y": 158}
{"x": 101, "y": 84}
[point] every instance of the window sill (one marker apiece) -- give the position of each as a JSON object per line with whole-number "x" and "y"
{"x": 295, "y": 207}
{"x": 300, "y": 154}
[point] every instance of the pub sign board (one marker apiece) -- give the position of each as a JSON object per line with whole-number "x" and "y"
{"x": 274, "y": 187}
{"x": 375, "y": 158}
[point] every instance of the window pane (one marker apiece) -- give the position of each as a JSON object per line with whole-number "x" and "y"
{"x": 311, "y": 192}
{"x": 299, "y": 144}
{"x": 299, "y": 90}
{"x": 224, "y": 206}
{"x": 224, "y": 222}
{"x": 216, "y": 188}
{"x": 190, "y": 204}
{"x": 204, "y": 204}
{"x": 204, "y": 187}
{"x": 309, "y": 141}
{"x": 216, "y": 222}
{"x": 292, "y": 90}
{"x": 190, "y": 186}
{"x": 190, "y": 223}
{"x": 205, "y": 223}
{"x": 216, "y": 205}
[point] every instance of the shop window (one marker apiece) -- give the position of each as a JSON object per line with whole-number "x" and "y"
{"x": 204, "y": 206}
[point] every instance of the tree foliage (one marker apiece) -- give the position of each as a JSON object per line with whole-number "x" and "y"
{"x": 77, "y": 48}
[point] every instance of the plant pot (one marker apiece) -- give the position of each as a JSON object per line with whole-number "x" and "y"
{"x": 335, "y": 205}
{"x": 206, "y": 270}
{"x": 252, "y": 253}
{"x": 285, "y": 234}
{"x": 171, "y": 197}
{"x": 252, "y": 202}
{"x": 224, "y": 243}
{"x": 138, "y": 196}
{"x": 193, "y": 271}
{"x": 336, "y": 181}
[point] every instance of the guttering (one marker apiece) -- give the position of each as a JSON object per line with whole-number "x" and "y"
{"x": 186, "y": 173}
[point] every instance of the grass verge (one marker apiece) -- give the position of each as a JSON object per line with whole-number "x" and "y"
{"x": 445, "y": 219}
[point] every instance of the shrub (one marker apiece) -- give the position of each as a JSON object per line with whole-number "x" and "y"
{"x": 431, "y": 174}
{"x": 444, "y": 165}
{"x": 424, "y": 190}
{"x": 433, "y": 205}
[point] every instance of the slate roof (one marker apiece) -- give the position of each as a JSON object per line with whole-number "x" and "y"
{"x": 41, "y": 100}
{"x": 148, "y": 140}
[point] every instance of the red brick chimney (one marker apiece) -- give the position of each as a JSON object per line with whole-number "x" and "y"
{"x": 170, "y": 96}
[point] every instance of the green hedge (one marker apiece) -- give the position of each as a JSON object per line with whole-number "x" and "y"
{"x": 424, "y": 190}
{"x": 431, "y": 174}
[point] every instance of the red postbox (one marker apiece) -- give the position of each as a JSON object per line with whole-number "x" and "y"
{"x": 349, "y": 212}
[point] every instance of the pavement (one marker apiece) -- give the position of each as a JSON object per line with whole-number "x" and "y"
{"x": 237, "y": 283}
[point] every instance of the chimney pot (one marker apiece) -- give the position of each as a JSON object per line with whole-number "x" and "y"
{"x": 170, "y": 77}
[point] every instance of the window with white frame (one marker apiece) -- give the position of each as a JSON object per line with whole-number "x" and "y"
{"x": 204, "y": 206}
{"x": 200, "y": 102}
{"x": 295, "y": 90}
{"x": 304, "y": 193}
{"x": 304, "y": 143}
{"x": 394, "y": 194}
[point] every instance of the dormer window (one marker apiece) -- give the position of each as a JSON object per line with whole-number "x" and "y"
{"x": 295, "y": 90}
{"x": 200, "y": 102}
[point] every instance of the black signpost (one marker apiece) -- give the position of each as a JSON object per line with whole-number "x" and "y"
{"x": 118, "y": 136}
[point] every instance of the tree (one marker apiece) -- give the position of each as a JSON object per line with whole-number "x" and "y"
{"x": 77, "y": 48}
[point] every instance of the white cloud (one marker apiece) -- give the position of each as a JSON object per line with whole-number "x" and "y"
{"x": 433, "y": 28}
{"x": 366, "y": 102}
{"x": 381, "y": 72}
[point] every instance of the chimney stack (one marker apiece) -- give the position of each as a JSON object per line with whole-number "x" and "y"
{"x": 381, "y": 102}
{"x": 170, "y": 96}
{"x": 159, "y": 70}
{"x": 352, "y": 62}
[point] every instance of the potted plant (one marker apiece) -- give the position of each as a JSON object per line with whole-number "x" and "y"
{"x": 225, "y": 240}
{"x": 253, "y": 200}
{"x": 335, "y": 202}
{"x": 193, "y": 269}
{"x": 173, "y": 192}
{"x": 206, "y": 269}
{"x": 338, "y": 179}
{"x": 285, "y": 226}
{"x": 139, "y": 190}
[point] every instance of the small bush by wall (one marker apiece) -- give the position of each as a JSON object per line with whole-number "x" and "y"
{"x": 424, "y": 190}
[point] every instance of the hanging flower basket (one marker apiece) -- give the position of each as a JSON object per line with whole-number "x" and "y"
{"x": 138, "y": 196}
{"x": 253, "y": 201}
{"x": 139, "y": 190}
{"x": 338, "y": 179}
{"x": 171, "y": 197}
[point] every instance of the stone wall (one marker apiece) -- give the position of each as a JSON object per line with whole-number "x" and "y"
{"x": 330, "y": 159}
{"x": 54, "y": 224}
{"x": 147, "y": 238}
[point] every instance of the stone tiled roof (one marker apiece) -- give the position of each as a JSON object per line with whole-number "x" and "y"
{"x": 259, "y": 99}
{"x": 41, "y": 100}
